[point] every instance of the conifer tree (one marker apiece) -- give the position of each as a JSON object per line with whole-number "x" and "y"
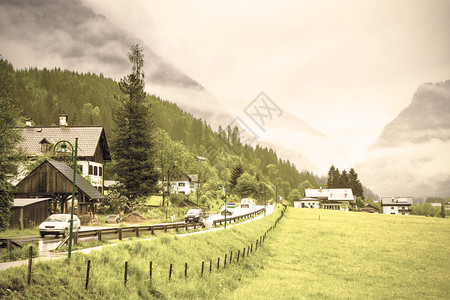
{"x": 10, "y": 156}
{"x": 235, "y": 174}
{"x": 133, "y": 142}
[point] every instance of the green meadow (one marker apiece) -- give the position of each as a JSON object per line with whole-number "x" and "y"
{"x": 339, "y": 255}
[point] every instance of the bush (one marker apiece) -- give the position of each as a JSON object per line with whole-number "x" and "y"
{"x": 18, "y": 253}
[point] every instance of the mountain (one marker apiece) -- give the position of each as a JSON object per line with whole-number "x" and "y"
{"x": 417, "y": 139}
{"x": 68, "y": 34}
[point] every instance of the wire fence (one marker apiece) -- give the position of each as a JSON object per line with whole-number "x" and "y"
{"x": 170, "y": 271}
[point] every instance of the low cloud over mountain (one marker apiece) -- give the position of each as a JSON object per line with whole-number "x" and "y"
{"x": 410, "y": 157}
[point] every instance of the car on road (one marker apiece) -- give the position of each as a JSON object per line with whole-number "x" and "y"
{"x": 59, "y": 224}
{"x": 196, "y": 215}
{"x": 247, "y": 203}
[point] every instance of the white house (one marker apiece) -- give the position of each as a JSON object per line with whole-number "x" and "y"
{"x": 185, "y": 184}
{"x": 396, "y": 205}
{"x": 338, "y": 199}
{"x": 307, "y": 203}
{"x": 92, "y": 147}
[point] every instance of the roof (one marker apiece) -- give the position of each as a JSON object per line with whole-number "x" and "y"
{"x": 393, "y": 201}
{"x": 330, "y": 194}
{"x": 110, "y": 183}
{"x": 21, "y": 202}
{"x": 88, "y": 138}
{"x": 82, "y": 184}
{"x": 307, "y": 199}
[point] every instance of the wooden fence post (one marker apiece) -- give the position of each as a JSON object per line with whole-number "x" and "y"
{"x": 218, "y": 262}
{"x": 225, "y": 261}
{"x": 151, "y": 269}
{"x": 231, "y": 256}
{"x": 30, "y": 260}
{"x": 75, "y": 237}
{"x": 153, "y": 230}
{"x": 248, "y": 250}
{"x": 87, "y": 273}
{"x": 203, "y": 266}
{"x": 99, "y": 235}
{"x": 239, "y": 252}
{"x": 243, "y": 253}
{"x": 126, "y": 274}
{"x": 120, "y": 233}
{"x": 170, "y": 272}
{"x": 210, "y": 265}
{"x": 8, "y": 245}
{"x": 137, "y": 231}
{"x": 165, "y": 228}
{"x": 251, "y": 248}
{"x": 185, "y": 270}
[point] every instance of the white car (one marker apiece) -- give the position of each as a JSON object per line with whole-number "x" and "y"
{"x": 59, "y": 224}
{"x": 247, "y": 203}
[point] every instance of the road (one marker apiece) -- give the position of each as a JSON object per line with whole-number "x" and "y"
{"x": 51, "y": 242}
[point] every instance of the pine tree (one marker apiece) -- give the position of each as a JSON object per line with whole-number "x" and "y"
{"x": 133, "y": 142}
{"x": 336, "y": 176}
{"x": 235, "y": 174}
{"x": 344, "y": 181}
{"x": 330, "y": 177}
{"x": 9, "y": 155}
{"x": 355, "y": 184}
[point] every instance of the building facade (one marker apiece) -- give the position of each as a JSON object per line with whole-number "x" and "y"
{"x": 396, "y": 205}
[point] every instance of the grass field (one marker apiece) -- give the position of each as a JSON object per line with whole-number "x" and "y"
{"x": 342, "y": 255}
{"x": 354, "y": 255}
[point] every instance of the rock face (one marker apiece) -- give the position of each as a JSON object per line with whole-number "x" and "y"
{"x": 411, "y": 157}
{"x": 425, "y": 119}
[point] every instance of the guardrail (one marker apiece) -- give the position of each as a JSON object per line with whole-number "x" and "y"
{"x": 152, "y": 228}
{"x": 233, "y": 219}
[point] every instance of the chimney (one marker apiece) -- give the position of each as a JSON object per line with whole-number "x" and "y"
{"x": 63, "y": 120}
{"x": 28, "y": 122}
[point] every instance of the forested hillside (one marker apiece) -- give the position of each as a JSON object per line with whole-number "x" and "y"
{"x": 88, "y": 99}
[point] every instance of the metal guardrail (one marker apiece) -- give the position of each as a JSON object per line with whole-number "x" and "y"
{"x": 233, "y": 219}
{"x": 153, "y": 228}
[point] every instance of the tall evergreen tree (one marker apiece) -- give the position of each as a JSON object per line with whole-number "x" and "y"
{"x": 10, "y": 156}
{"x": 330, "y": 177}
{"x": 355, "y": 184}
{"x": 235, "y": 174}
{"x": 336, "y": 176}
{"x": 344, "y": 181}
{"x": 133, "y": 142}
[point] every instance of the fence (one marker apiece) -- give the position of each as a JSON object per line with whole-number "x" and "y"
{"x": 232, "y": 258}
{"x": 153, "y": 228}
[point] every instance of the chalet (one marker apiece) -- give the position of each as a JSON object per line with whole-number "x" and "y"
{"x": 337, "y": 199}
{"x": 184, "y": 184}
{"x": 370, "y": 209}
{"x": 54, "y": 179}
{"x": 92, "y": 147}
{"x": 396, "y": 205}
{"x": 307, "y": 203}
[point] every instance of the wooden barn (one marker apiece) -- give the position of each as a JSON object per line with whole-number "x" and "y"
{"x": 29, "y": 212}
{"x": 53, "y": 179}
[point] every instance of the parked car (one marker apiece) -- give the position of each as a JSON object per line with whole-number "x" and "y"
{"x": 196, "y": 215}
{"x": 228, "y": 209}
{"x": 247, "y": 203}
{"x": 59, "y": 224}
{"x": 112, "y": 219}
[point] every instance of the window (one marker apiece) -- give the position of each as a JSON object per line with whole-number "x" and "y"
{"x": 100, "y": 171}
{"x": 80, "y": 167}
{"x": 90, "y": 170}
{"x": 392, "y": 207}
{"x": 181, "y": 184}
{"x": 95, "y": 171}
{"x": 45, "y": 147}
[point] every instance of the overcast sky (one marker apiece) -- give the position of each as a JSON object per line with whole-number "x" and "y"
{"x": 345, "y": 67}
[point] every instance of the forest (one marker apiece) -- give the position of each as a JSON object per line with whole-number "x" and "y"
{"x": 88, "y": 99}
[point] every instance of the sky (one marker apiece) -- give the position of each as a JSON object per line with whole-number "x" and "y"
{"x": 345, "y": 67}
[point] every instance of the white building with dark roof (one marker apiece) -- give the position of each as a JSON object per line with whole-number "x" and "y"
{"x": 396, "y": 205}
{"x": 92, "y": 150}
{"x": 337, "y": 199}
